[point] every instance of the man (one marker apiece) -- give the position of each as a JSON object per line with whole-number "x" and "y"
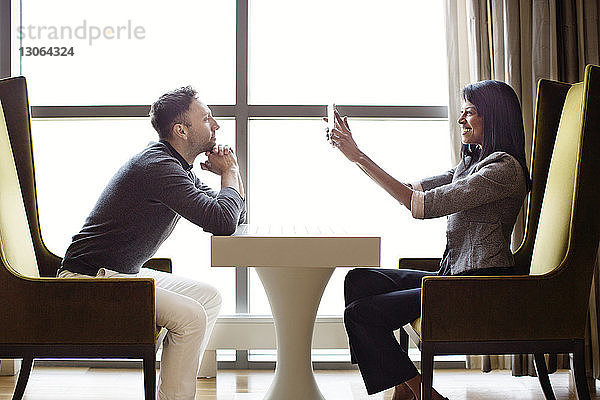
{"x": 138, "y": 210}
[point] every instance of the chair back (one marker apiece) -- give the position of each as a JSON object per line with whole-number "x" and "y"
{"x": 13, "y": 95}
{"x": 549, "y": 104}
{"x": 568, "y": 229}
{"x": 556, "y": 214}
{"x": 16, "y": 246}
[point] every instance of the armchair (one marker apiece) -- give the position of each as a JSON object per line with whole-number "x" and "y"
{"x": 544, "y": 311}
{"x": 42, "y": 316}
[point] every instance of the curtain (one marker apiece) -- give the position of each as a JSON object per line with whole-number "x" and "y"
{"x": 520, "y": 42}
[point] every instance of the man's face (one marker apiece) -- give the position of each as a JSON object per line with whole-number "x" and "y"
{"x": 203, "y": 127}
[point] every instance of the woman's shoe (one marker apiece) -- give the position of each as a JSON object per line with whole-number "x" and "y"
{"x": 404, "y": 392}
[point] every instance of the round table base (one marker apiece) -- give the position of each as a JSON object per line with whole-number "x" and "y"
{"x": 294, "y": 295}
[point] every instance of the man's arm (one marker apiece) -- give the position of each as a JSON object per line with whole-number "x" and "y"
{"x": 222, "y": 161}
{"x": 213, "y": 193}
{"x": 232, "y": 178}
{"x": 217, "y": 213}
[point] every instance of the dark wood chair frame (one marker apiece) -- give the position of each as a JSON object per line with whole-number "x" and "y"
{"x": 13, "y": 93}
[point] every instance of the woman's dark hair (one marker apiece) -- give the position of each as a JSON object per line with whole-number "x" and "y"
{"x": 497, "y": 104}
{"x": 171, "y": 108}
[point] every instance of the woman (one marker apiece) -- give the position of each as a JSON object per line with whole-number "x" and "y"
{"x": 481, "y": 196}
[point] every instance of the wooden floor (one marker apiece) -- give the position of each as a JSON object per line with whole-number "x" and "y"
{"x": 126, "y": 384}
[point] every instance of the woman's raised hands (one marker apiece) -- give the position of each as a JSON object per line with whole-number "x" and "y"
{"x": 341, "y": 137}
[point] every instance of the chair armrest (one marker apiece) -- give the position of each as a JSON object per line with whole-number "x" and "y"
{"x": 160, "y": 264}
{"x": 478, "y": 308}
{"x": 73, "y": 311}
{"x": 420, "y": 264}
{"x": 48, "y": 262}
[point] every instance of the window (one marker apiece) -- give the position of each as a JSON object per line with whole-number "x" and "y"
{"x": 267, "y": 68}
{"x": 351, "y": 52}
{"x": 127, "y": 57}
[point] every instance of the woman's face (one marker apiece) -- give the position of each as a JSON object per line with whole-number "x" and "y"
{"x": 471, "y": 124}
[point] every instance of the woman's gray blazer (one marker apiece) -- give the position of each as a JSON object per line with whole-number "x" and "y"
{"x": 482, "y": 202}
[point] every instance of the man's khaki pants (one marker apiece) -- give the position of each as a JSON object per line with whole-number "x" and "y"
{"x": 188, "y": 310}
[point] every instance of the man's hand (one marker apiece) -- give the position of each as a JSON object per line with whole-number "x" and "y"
{"x": 221, "y": 159}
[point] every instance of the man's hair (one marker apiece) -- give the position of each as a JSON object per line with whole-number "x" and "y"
{"x": 171, "y": 108}
{"x": 498, "y": 105}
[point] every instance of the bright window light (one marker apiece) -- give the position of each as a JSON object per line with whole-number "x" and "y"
{"x": 351, "y": 52}
{"x": 127, "y": 52}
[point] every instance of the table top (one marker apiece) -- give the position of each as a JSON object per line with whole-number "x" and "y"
{"x": 272, "y": 245}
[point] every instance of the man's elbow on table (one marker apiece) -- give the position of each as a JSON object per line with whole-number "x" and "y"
{"x": 225, "y": 225}
{"x": 225, "y": 231}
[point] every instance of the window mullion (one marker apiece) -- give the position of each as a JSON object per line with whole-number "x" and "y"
{"x": 5, "y": 45}
{"x": 241, "y": 132}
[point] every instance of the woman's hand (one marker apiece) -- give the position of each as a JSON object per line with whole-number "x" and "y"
{"x": 341, "y": 137}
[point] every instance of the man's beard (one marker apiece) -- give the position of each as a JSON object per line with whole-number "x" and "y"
{"x": 209, "y": 146}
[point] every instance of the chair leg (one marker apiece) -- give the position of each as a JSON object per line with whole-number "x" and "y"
{"x": 542, "y": 373}
{"x": 552, "y": 363}
{"x": 426, "y": 373}
{"x": 150, "y": 376}
{"x": 583, "y": 392}
{"x": 26, "y": 366}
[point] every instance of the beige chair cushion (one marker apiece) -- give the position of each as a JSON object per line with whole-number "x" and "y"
{"x": 16, "y": 245}
{"x": 554, "y": 224}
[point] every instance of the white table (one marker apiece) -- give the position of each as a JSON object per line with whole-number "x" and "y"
{"x": 294, "y": 264}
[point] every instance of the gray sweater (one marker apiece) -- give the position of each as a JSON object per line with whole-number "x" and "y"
{"x": 482, "y": 202}
{"x": 139, "y": 208}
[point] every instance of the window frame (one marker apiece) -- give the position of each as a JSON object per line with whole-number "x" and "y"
{"x": 242, "y": 112}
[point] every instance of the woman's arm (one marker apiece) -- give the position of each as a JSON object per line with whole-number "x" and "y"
{"x": 496, "y": 177}
{"x": 398, "y": 190}
{"x": 341, "y": 137}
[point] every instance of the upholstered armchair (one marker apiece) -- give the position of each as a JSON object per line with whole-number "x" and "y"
{"x": 42, "y": 316}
